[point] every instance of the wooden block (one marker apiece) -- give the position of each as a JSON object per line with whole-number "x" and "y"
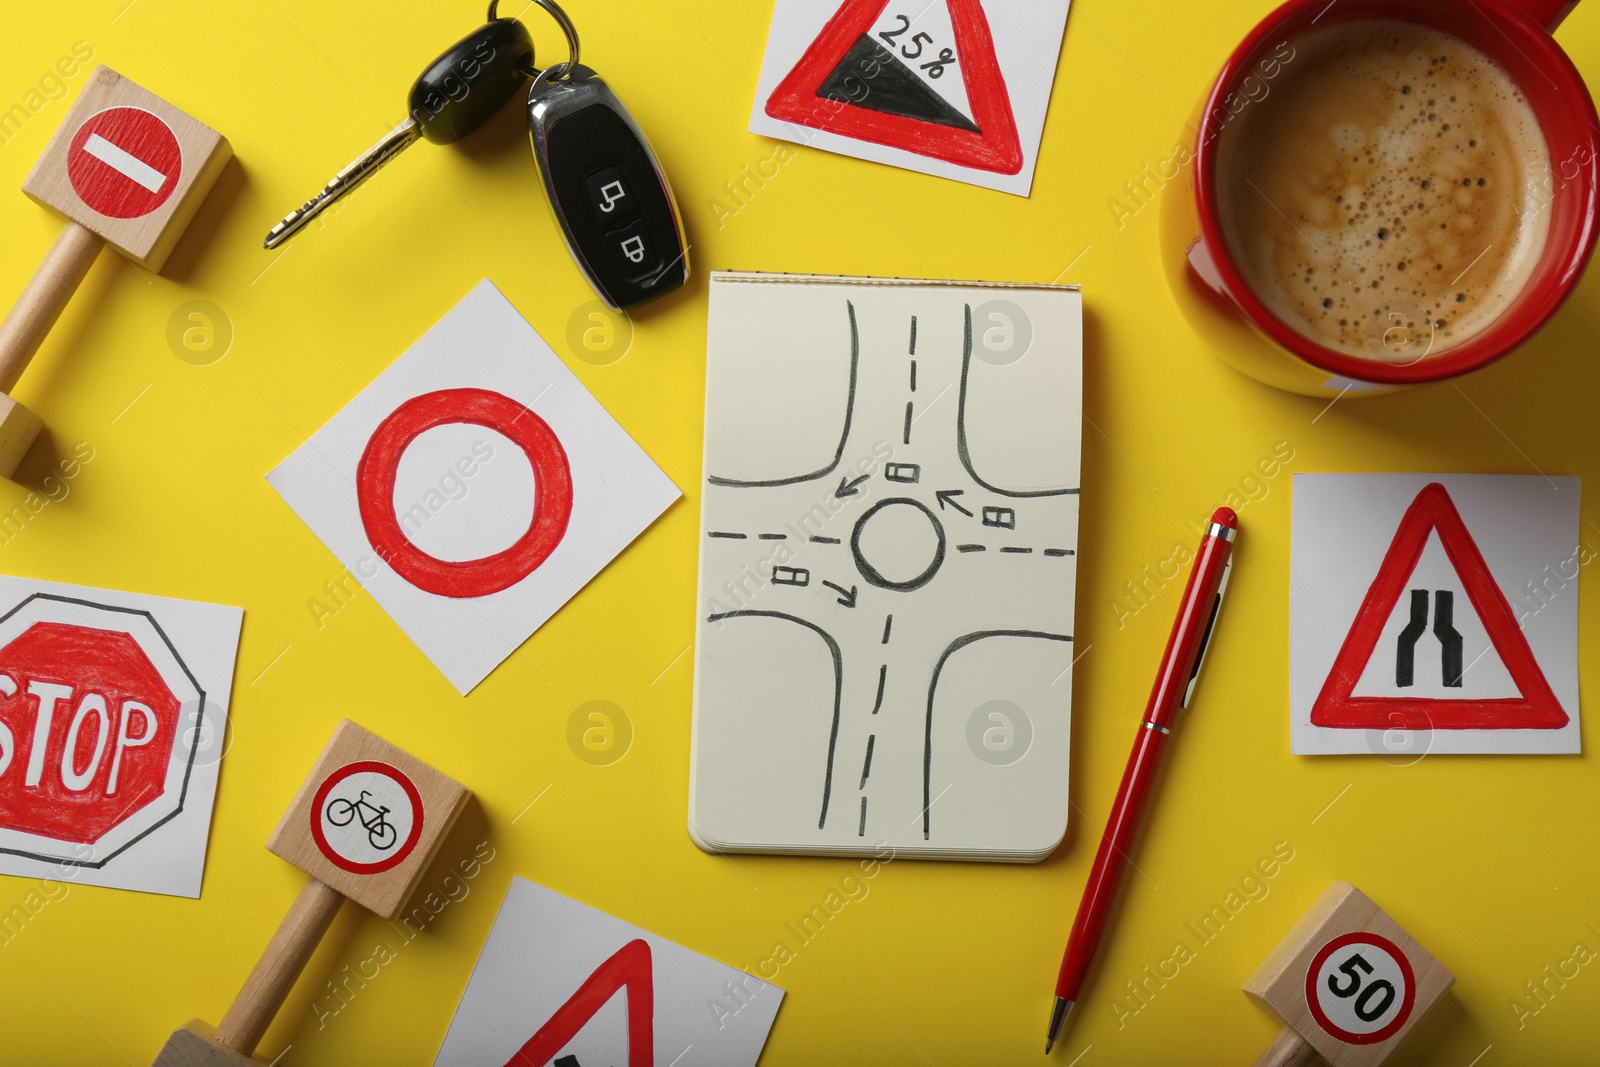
{"x": 1349, "y": 980}
{"x": 128, "y": 166}
{"x": 194, "y": 1046}
{"x": 368, "y": 819}
{"x": 18, "y": 428}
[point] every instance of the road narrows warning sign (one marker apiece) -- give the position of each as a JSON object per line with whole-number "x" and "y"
{"x": 1337, "y": 706}
{"x": 883, "y": 83}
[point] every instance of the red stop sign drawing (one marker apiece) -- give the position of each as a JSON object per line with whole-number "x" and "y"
{"x": 98, "y": 723}
{"x": 124, "y": 162}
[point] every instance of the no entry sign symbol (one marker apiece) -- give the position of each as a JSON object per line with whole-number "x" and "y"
{"x": 124, "y": 162}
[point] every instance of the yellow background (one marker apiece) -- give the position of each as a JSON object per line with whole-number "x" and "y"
{"x": 1489, "y": 862}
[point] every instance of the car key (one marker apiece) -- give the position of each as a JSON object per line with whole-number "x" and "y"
{"x": 609, "y": 193}
{"x": 458, "y": 93}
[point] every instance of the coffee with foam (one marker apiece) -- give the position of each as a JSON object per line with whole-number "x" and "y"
{"x": 1383, "y": 199}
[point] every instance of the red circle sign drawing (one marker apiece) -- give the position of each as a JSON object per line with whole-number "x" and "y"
{"x": 1360, "y": 988}
{"x": 380, "y": 463}
{"x": 366, "y": 817}
{"x": 124, "y": 162}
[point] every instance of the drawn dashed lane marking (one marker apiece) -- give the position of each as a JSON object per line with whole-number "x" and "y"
{"x": 1059, "y": 552}
{"x": 888, "y": 622}
{"x": 913, "y": 376}
{"x": 906, "y": 437}
{"x": 913, "y": 348}
{"x": 861, "y": 830}
{"x": 725, "y": 533}
{"x": 883, "y": 674}
{"x": 774, "y": 537}
{"x": 866, "y": 766}
{"x": 1017, "y": 550}
{"x": 970, "y": 548}
{"x": 824, "y": 540}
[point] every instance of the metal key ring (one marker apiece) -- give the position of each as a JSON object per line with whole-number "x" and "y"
{"x": 564, "y": 70}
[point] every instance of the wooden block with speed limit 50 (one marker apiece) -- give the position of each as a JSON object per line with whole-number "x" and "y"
{"x": 127, "y": 169}
{"x": 1349, "y": 983}
{"x": 364, "y": 825}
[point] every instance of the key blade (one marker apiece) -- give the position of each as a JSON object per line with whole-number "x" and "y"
{"x": 346, "y": 181}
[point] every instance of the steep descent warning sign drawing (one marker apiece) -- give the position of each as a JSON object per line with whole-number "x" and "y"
{"x": 943, "y": 86}
{"x": 884, "y": 93}
{"x": 1465, "y": 631}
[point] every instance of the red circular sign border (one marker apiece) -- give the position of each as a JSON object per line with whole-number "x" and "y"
{"x": 380, "y": 464}
{"x": 76, "y": 146}
{"x": 1406, "y": 1004}
{"x": 395, "y": 774}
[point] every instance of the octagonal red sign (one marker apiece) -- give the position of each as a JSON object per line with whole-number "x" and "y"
{"x": 98, "y": 718}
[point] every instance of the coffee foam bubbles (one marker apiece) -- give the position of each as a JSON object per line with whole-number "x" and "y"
{"x": 1378, "y": 201}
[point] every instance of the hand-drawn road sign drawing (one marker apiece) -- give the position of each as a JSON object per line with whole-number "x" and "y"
{"x": 559, "y": 984}
{"x": 1463, "y": 633}
{"x": 474, "y": 487}
{"x": 834, "y": 714}
{"x": 112, "y": 712}
{"x": 951, "y": 87}
{"x": 882, "y": 92}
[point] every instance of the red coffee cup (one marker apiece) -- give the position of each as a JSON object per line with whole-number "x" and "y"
{"x": 1213, "y": 292}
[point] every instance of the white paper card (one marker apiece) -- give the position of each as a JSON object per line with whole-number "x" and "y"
{"x": 563, "y": 984}
{"x": 887, "y": 565}
{"x": 113, "y": 721}
{"x": 474, "y": 487}
{"x": 954, "y": 88}
{"x": 1434, "y": 614}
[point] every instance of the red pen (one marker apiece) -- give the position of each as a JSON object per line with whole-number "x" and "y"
{"x": 1180, "y": 667}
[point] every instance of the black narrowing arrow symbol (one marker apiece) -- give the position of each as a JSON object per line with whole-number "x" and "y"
{"x": 948, "y": 496}
{"x": 847, "y": 597}
{"x": 848, "y": 487}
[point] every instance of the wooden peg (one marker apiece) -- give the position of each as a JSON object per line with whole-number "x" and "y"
{"x": 365, "y": 825}
{"x": 1348, "y": 981}
{"x": 125, "y": 168}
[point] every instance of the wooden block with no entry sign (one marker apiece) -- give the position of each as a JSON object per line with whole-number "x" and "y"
{"x": 1348, "y": 981}
{"x": 125, "y": 168}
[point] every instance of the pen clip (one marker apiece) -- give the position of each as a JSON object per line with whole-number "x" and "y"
{"x": 1205, "y": 641}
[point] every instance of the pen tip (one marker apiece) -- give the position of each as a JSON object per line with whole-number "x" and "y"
{"x": 1048, "y": 1045}
{"x": 1225, "y": 517}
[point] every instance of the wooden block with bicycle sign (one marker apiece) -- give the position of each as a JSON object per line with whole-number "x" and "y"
{"x": 364, "y": 825}
{"x": 1348, "y": 981}
{"x": 368, "y": 819}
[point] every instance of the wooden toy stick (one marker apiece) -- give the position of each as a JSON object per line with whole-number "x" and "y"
{"x": 1289, "y": 1050}
{"x": 364, "y": 825}
{"x": 125, "y": 168}
{"x": 41, "y": 303}
{"x": 281, "y": 963}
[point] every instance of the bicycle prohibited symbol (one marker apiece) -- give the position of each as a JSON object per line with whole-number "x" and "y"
{"x": 367, "y": 817}
{"x": 1360, "y": 988}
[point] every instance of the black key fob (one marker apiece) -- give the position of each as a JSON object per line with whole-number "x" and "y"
{"x": 609, "y": 193}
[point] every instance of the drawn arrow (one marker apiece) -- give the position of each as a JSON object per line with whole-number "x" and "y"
{"x": 847, "y": 597}
{"x": 848, "y": 487}
{"x": 948, "y": 496}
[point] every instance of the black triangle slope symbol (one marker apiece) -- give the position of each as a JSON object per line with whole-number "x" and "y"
{"x": 893, "y": 89}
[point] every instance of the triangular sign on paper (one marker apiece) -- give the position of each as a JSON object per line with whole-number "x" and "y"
{"x": 1537, "y": 708}
{"x": 629, "y": 968}
{"x": 849, "y": 83}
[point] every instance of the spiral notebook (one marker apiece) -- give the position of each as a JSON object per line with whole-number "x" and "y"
{"x": 888, "y": 559}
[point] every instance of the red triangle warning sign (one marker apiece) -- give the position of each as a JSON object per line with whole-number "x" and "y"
{"x": 880, "y": 83}
{"x": 1535, "y": 709}
{"x": 629, "y": 968}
